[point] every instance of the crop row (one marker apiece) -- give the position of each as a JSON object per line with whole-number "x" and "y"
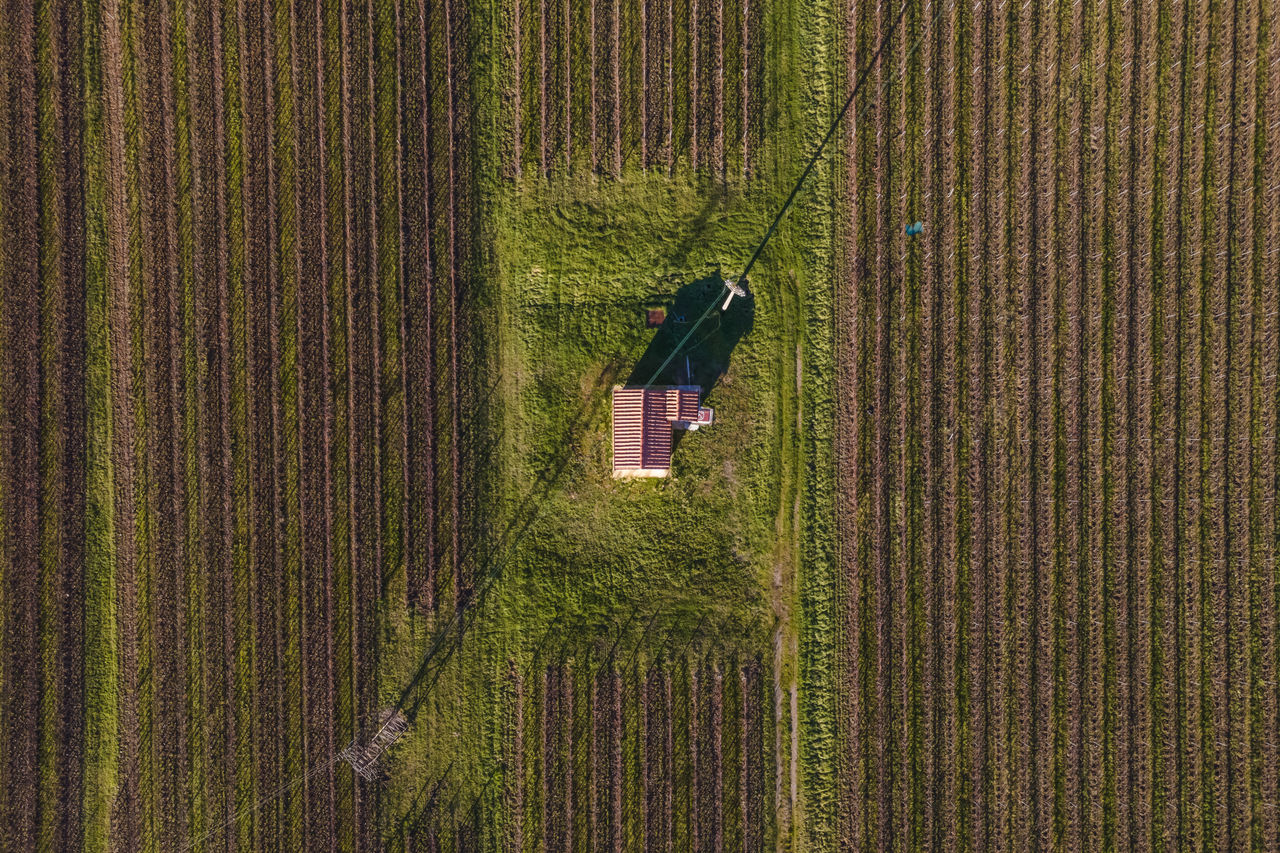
{"x": 599, "y": 84}
{"x": 668, "y": 757}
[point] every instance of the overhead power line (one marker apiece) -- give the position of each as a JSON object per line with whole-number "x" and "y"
{"x": 795, "y": 190}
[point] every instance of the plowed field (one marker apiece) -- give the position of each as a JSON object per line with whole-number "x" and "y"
{"x": 310, "y": 312}
{"x": 217, "y": 344}
{"x": 1057, "y": 429}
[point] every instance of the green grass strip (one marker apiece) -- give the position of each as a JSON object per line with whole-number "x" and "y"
{"x": 243, "y": 579}
{"x": 632, "y": 755}
{"x": 294, "y": 830}
{"x": 5, "y": 567}
{"x": 963, "y": 429}
{"x": 386, "y": 72}
{"x": 143, "y": 519}
{"x": 101, "y": 640}
{"x": 681, "y": 765}
{"x": 1059, "y": 711}
{"x": 1013, "y": 487}
{"x": 1112, "y": 226}
{"x": 816, "y": 65}
{"x": 1160, "y": 752}
{"x": 1211, "y": 761}
{"x": 1259, "y": 535}
{"x": 339, "y": 391}
{"x": 193, "y": 555}
{"x": 1188, "y": 795}
{"x": 913, "y": 331}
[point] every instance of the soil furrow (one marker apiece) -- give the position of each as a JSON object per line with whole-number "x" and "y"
{"x": 171, "y": 550}
{"x": 191, "y": 468}
{"x": 314, "y": 414}
{"x": 454, "y": 399}
{"x": 1140, "y": 731}
{"x": 615, "y": 62}
{"x": 1238, "y": 227}
{"x": 1192, "y": 681}
{"x": 1215, "y": 630}
{"x": 1006, "y": 688}
{"x": 926, "y": 354}
{"x": 217, "y": 432}
{"x": 1166, "y": 558}
{"x": 849, "y": 424}
{"x": 974, "y": 534}
{"x": 1024, "y": 302}
{"x": 1266, "y": 267}
{"x": 258, "y": 634}
{"x": 986, "y": 637}
{"x": 695, "y": 99}
{"x": 959, "y": 511}
{"x": 20, "y": 326}
{"x": 244, "y": 747}
{"x": 642, "y": 93}
{"x": 888, "y": 640}
{"x": 593, "y": 88}
{"x": 419, "y": 361}
{"x": 277, "y": 674}
{"x": 1079, "y": 216}
{"x": 668, "y": 86}
{"x": 325, "y": 738}
{"x": 62, "y": 431}
{"x": 346, "y": 424}
{"x": 717, "y": 96}
{"x": 361, "y": 308}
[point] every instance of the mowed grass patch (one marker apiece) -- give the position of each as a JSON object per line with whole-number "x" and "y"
{"x": 580, "y": 264}
{"x": 579, "y": 560}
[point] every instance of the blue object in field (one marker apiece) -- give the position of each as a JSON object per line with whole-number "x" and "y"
{"x": 915, "y": 228}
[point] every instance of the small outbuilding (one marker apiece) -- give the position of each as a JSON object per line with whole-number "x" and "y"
{"x": 643, "y": 419}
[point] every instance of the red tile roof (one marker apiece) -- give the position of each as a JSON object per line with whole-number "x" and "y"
{"x": 688, "y": 405}
{"x": 682, "y": 404}
{"x": 642, "y": 427}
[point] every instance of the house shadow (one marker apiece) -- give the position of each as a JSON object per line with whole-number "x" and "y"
{"x": 704, "y": 358}
{"x": 686, "y": 352}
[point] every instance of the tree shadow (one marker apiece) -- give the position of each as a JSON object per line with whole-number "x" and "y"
{"x": 704, "y": 358}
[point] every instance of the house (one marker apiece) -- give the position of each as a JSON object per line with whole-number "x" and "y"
{"x": 643, "y": 419}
